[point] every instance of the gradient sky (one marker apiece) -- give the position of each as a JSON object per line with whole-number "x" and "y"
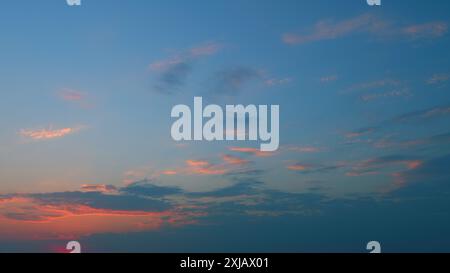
{"x": 85, "y": 146}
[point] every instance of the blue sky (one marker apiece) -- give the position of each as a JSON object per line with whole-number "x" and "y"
{"x": 85, "y": 125}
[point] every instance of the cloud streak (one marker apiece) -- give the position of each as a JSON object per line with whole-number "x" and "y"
{"x": 48, "y": 134}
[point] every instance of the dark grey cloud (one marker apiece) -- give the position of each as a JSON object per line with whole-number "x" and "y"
{"x": 425, "y": 114}
{"x": 234, "y": 80}
{"x": 172, "y": 79}
{"x": 99, "y": 200}
{"x": 145, "y": 188}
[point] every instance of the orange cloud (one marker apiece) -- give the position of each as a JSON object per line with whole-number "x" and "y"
{"x": 27, "y": 219}
{"x": 203, "y": 168}
{"x": 297, "y": 167}
{"x": 413, "y": 164}
{"x": 46, "y": 134}
{"x": 234, "y": 160}
{"x": 253, "y": 151}
{"x": 197, "y": 163}
{"x": 169, "y": 172}
{"x": 98, "y": 188}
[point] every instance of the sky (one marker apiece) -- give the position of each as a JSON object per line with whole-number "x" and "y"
{"x": 86, "y": 152}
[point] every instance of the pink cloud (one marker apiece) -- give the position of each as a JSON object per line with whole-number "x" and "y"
{"x": 297, "y": 167}
{"x": 253, "y": 151}
{"x": 234, "y": 160}
{"x": 205, "y": 50}
{"x": 327, "y": 30}
{"x": 28, "y": 219}
{"x": 197, "y": 163}
{"x": 47, "y": 134}
{"x": 169, "y": 172}
{"x": 98, "y": 188}
{"x": 186, "y": 56}
{"x": 365, "y": 23}
{"x": 75, "y": 96}
{"x": 202, "y": 167}
{"x": 426, "y": 30}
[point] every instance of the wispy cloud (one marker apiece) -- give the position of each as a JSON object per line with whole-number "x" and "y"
{"x": 235, "y": 160}
{"x": 385, "y": 163}
{"x": 313, "y": 168}
{"x": 329, "y": 78}
{"x": 426, "y": 30}
{"x": 277, "y": 81}
{"x": 98, "y": 188}
{"x": 253, "y": 151}
{"x": 76, "y": 97}
{"x": 365, "y": 23}
{"x": 329, "y": 29}
{"x": 429, "y": 113}
{"x": 173, "y": 72}
{"x": 383, "y": 83}
{"x": 49, "y": 218}
{"x": 232, "y": 81}
{"x": 203, "y": 167}
{"x": 303, "y": 149}
{"x": 439, "y": 79}
{"x": 48, "y": 134}
{"x": 360, "y": 132}
{"x": 403, "y": 92}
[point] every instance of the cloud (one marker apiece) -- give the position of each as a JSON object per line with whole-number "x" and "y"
{"x": 28, "y": 218}
{"x": 429, "y": 179}
{"x": 277, "y": 81}
{"x": 145, "y": 188}
{"x": 197, "y": 163}
{"x": 253, "y": 151}
{"x": 169, "y": 172}
{"x": 98, "y": 188}
{"x": 303, "y": 149}
{"x": 365, "y": 86}
{"x": 403, "y": 92}
{"x": 428, "y": 30}
{"x": 75, "y": 97}
{"x": 172, "y": 73}
{"x": 48, "y": 134}
{"x": 206, "y": 49}
{"x": 387, "y": 142}
{"x": 202, "y": 167}
{"x": 312, "y": 168}
{"x": 365, "y": 23}
{"x": 438, "y": 79}
{"x": 434, "y": 112}
{"x": 297, "y": 167}
{"x": 232, "y": 81}
{"x": 330, "y": 78}
{"x": 328, "y": 30}
{"x": 385, "y": 163}
{"x": 71, "y": 95}
{"x": 360, "y": 132}
{"x": 234, "y": 160}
